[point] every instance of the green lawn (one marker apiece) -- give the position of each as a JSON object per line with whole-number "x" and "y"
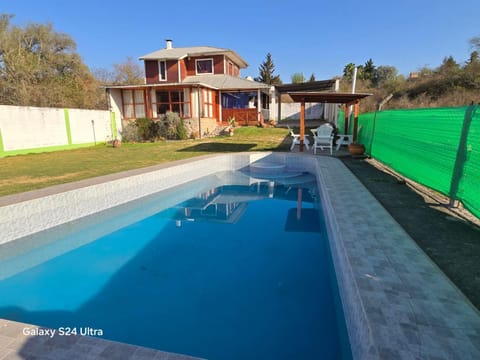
{"x": 34, "y": 171}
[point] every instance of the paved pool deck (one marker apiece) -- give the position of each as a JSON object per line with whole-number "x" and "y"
{"x": 397, "y": 303}
{"x": 15, "y": 345}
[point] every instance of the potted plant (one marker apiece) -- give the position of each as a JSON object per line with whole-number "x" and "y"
{"x": 356, "y": 149}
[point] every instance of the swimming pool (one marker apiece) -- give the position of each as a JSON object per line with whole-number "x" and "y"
{"x": 239, "y": 270}
{"x": 396, "y": 302}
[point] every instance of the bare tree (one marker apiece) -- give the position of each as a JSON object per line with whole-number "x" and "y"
{"x": 475, "y": 42}
{"x": 128, "y": 72}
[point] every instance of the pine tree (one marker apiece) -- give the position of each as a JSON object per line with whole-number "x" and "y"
{"x": 369, "y": 70}
{"x": 266, "y": 70}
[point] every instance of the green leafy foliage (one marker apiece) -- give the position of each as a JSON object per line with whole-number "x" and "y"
{"x": 40, "y": 67}
{"x": 147, "y": 130}
{"x": 298, "y": 78}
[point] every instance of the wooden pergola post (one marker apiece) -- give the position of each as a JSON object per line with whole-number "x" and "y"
{"x": 356, "y": 111}
{"x": 347, "y": 115}
{"x": 348, "y": 99}
{"x": 302, "y": 123}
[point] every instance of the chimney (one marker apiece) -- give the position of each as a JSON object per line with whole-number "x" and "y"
{"x": 169, "y": 43}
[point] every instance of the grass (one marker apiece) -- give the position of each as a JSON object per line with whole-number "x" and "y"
{"x": 34, "y": 171}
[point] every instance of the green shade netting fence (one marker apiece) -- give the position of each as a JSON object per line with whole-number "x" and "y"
{"x": 439, "y": 148}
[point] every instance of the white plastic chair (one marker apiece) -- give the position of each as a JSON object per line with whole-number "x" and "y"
{"x": 296, "y": 139}
{"x": 346, "y": 139}
{"x": 323, "y": 138}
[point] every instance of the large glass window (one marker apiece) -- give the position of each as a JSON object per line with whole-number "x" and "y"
{"x": 153, "y": 97}
{"x": 162, "y": 70}
{"x": 176, "y": 101}
{"x": 133, "y": 104}
{"x": 204, "y": 66}
{"x": 139, "y": 104}
{"x": 207, "y": 103}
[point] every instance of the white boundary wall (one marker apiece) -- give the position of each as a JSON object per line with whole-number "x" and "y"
{"x": 36, "y": 128}
{"x": 291, "y": 111}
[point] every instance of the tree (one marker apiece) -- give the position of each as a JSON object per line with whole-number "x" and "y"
{"x": 128, "y": 72}
{"x": 360, "y": 69}
{"x": 312, "y": 78}
{"x": 103, "y": 76}
{"x": 348, "y": 71}
{"x": 475, "y": 42}
{"x": 368, "y": 71}
{"x": 471, "y": 72}
{"x": 384, "y": 74}
{"x": 474, "y": 58}
{"x": 266, "y": 70}
{"x": 297, "y": 78}
{"x": 449, "y": 67}
{"x": 40, "y": 67}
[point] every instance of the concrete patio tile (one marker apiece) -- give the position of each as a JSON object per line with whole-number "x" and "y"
{"x": 5, "y": 341}
{"x": 147, "y": 354}
{"x": 117, "y": 350}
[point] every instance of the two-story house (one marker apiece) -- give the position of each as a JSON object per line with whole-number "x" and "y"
{"x": 202, "y": 84}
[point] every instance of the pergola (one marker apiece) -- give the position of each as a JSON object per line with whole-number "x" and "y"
{"x": 301, "y": 93}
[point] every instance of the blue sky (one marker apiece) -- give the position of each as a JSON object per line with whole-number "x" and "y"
{"x": 307, "y": 36}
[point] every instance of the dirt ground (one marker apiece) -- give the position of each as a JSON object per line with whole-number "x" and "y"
{"x": 450, "y": 236}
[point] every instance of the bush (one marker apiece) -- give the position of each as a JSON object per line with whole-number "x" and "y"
{"x": 181, "y": 131}
{"x": 147, "y": 130}
{"x": 130, "y": 132}
{"x": 172, "y": 127}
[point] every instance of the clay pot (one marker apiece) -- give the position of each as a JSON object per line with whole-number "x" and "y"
{"x": 356, "y": 149}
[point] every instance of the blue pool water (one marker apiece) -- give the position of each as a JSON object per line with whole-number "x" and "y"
{"x": 237, "y": 271}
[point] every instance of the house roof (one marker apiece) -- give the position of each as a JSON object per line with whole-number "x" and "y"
{"x": 307, "y": 86}
{"x": 183, "y": 52}
{"x": 225, "y": 82}
{"x": 215, "y": 82}
{"x": 327, "y": 97}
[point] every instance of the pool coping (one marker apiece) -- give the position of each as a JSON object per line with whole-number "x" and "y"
{"x": 397, "y": 303}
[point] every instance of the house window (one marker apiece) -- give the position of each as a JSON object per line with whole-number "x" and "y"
{"x": 204, "y": 66}
{"x": 133, "y": 104}
{"x": 162, "y": 70}
{"x": 207, "y": 103}
{"x": 230, "y": 68}
{"x": 175, "y": 101}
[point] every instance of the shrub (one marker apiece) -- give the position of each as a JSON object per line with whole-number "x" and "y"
{"x": 172, "y": 127}
{"x": 147, "y": 130}
{"x": 130, "y": 132}
{"x": 181, "y": 131}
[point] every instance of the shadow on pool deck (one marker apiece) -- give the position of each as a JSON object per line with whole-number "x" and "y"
{"x": 450, "y": 240}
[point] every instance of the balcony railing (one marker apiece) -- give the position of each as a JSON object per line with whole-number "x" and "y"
{"x": 243, "y": 117}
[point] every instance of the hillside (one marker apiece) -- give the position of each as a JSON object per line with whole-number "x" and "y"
{"x": 451, "y": 84}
